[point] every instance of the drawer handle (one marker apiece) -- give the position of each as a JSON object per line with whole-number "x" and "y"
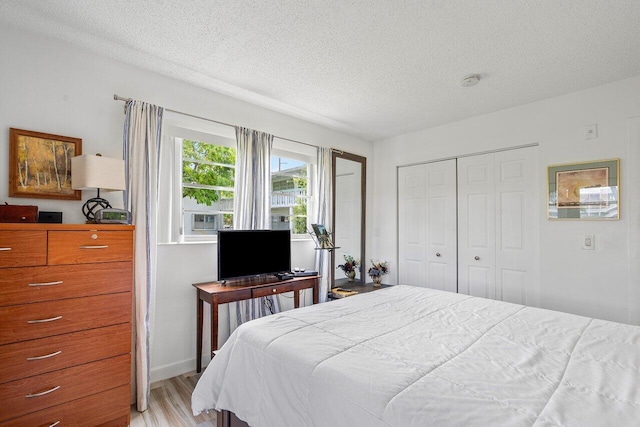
{"x": 59, "y": 282}
{"x": 54, "y": 424}
{"x": 94, "y": 247}
{"x": 43, "y": 393}
{"x": 51, "y": 319}
{"x": 5, "y": 249}
{"x": 275, "y": 290}
{"x": 46, "y": 356}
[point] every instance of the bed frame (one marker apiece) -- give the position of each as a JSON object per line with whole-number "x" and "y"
{"x": 228, "y": 419}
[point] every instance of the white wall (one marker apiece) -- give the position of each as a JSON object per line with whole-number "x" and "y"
{"x": 603, "y": 283}
{"x": 53, "y": 87}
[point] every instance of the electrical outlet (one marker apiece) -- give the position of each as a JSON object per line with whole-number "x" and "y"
{"x": 589, "y": 242}
{"x": 591, "y": 131}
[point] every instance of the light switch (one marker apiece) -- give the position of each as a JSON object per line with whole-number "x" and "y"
{"x": 589, "y": 242}
{"x": 591, "y": 131}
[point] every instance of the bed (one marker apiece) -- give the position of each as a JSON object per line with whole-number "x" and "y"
{"x": 409, "y": 356}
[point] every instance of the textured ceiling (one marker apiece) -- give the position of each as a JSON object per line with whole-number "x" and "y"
{"x": 371, "y": 68}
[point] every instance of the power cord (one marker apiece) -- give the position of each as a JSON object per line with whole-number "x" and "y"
{"x": 303, "y": 298}
{"x": 269, "y": 304}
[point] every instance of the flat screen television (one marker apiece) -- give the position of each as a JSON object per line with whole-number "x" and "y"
{"x": 244, "y": 253}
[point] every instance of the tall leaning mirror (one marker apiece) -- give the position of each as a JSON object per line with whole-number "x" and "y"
{"x": 349, "y": 189}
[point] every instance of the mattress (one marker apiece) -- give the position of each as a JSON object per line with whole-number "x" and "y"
{"x": 408, "y": 356}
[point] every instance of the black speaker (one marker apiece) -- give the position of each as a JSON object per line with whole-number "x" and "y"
{"x": 50, "y": 217}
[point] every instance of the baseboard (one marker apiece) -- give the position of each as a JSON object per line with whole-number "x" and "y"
{"x": 164, "y": 372}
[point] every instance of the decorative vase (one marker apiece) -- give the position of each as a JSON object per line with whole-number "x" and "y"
{"x": 377, "y": 281}
{"x": 350, "y": 275}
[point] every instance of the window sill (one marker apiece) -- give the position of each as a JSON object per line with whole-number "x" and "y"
{"x": 194, "y": 242}
{"x": 299, "y": 238}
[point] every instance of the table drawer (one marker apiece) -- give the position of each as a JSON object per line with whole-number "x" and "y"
{"x": 271, "y": 290}
{"x": 80, "y": 247}
{"x": 32, "y": 394}
{"x": 27, "y": 285}
{"x": 34, "y": 357}
{"x": 42, "y": 319}
{"x": 23, "y": 248}
{"x": 235, "y": 295}
{"x": 92, "y": 410}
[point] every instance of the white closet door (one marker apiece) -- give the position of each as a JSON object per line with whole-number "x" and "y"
{"x": 427, "y": 225}
{"x": 516, "y": 226}
{"x": 476, "y": 226}
{"x": 497, "y": 226}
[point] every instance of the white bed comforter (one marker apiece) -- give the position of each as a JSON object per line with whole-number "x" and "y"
{"x": 406, "y": 356}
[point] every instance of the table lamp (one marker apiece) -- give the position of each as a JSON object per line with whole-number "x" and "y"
{"x": 96, "y": 172}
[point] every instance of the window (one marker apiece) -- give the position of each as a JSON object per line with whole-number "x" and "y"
{"x": 197, "y": 198}
{"x": 208, "y": 176}
{"x": 289, "y": 196}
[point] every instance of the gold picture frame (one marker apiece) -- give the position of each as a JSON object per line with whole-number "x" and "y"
{"x": 586, "y": 190}
{"x": 40, "y": 165}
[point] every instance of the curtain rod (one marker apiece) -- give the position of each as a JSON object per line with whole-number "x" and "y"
{"x": 119, "y": 98}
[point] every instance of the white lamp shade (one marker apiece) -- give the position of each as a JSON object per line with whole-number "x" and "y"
{"x": 104, "y": 173}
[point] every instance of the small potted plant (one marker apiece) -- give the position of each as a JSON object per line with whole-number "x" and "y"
{"x": 349, "y": 267}
{"x": 376, "y": 271}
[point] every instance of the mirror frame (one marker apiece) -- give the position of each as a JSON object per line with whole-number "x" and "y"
{"x": 337, "y": 154}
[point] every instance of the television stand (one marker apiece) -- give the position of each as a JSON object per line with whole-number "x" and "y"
{"x": 216, "y": 293}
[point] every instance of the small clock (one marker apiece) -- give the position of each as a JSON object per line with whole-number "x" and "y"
{"x": 113, "y": 216}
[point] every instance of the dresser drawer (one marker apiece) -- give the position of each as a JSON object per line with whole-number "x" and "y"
{"x": 81, "y": 247}
{"x": 271, "y": 290}
{"x": 93, "y": 410}
{"x": 39, "y": 320}
{"x": 23, "y": 248}
{"x": 62, "y": 386}
{"x": 34, "y": 357}
{"x": 27, "y": 285}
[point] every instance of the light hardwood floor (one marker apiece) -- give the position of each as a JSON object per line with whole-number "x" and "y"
{"x": 170, "y": 405}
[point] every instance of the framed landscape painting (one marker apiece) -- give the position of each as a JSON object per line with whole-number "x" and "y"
{"x": 589, "y": 190}
{"x": 40, "y": 165}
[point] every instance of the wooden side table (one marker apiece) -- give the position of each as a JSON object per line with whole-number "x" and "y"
{"x": 215, "y": 293}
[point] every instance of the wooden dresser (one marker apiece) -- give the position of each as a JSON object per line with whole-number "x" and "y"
{"x": 65, "y": 324}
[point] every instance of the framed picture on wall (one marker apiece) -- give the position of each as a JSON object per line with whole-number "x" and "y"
{"x": 587, "y": 190}
{"x": 40, "y": 165}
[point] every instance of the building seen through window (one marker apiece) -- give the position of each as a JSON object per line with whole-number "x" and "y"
{"x": 208, "y": 178}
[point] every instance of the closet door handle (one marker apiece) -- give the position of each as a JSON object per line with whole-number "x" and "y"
{"x": 477, "y": 258}
{"x": 51, "y": 319}
{"x": 5, "y": 249}
{"x": 43, "y": 393}
{"x": 438, "y": 254}
{"x": 94, "y": 247}
{"x": 58, "y": 282}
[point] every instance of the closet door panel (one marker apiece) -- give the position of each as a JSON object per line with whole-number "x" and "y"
{"x": 438, "y": 276}
{"x": 411, "y": 225}
{"x": 476, "y": 226}
{"x": 516, "y": 226}
{"x": 427, "y": 226}
{"x": 513, "y": 284}
{"x": 442, "y": 245}
{"x": 480, "y": 280}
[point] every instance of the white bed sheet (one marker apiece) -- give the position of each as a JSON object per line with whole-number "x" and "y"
{"x": 407, "y": 356}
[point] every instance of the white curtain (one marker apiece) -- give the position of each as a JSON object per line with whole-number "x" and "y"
{"x": 323, "y": 214}
{"x": 252, "y": 209}
{"x": 141, "y": 143}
